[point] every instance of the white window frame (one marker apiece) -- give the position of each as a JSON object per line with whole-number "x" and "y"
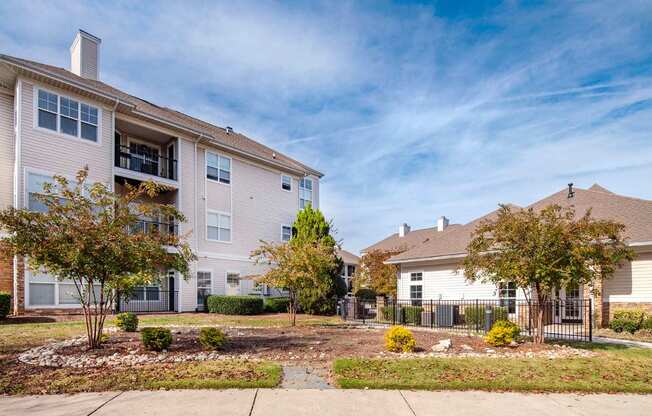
{"x": 312, "y": 192}
{"x": 286, "y": 226}
{"x": 56, "y": 283}
{"x": 219, "y": 156}
{"x": 226, "y": 280}
{"x": 58, "y": 132}
{"x": 27, "y": 171}
{"x": 218, "y": 213}
{"x": 416, "y": 277}
{"x": 197, "y": 287}
{"x": 146, "y": 293}
{"x": 283, "y": 176}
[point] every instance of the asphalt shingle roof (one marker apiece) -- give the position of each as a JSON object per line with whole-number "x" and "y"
{"x": 231, "y": 139}
{"x": 635, "y": 213}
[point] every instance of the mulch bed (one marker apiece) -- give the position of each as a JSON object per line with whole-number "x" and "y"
{"x": 312, "y": 344}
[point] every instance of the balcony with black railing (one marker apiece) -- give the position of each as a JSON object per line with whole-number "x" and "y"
{"x": 143, "y": 159}
{"x": 147, "y": 226}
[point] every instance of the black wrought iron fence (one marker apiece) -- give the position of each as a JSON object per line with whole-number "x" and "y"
{"x": 149, "y": 299}
{"x": 569, "y": 319}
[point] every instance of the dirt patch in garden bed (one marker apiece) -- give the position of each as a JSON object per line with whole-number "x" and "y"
{"x": 315, "y": 345}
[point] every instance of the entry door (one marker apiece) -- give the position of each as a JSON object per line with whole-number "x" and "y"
{"x": 568, "y": 304}
{"x": 232, "y": 284}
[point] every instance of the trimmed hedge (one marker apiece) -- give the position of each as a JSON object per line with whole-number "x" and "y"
{"x": 630, "y": 320}
{"x": 365, "y": 294}
{"x": 476, "y": 315}
{"x": 5, "y": 304}
{"x": 156, "y": 338}
{"x": 276, "y": 305}
{"x": 235, "y": 305}
{"x": 412, "y": 315}
{"x": 127, "y": 321}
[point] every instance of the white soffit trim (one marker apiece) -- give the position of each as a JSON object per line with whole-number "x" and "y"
{"x": 422, "y": 259}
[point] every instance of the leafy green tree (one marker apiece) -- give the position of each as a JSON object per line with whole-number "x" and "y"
{"x": 374, "y": 274}
{"x": 295, "y": 268}
{"x": 86, "y": 235}
{"x": 540, "y": 251}
{"x": 311, "y": 227}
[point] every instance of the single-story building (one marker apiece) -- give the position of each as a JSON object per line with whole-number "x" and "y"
{"x": 429, "y": 266}
{"x": 350, "y": 264}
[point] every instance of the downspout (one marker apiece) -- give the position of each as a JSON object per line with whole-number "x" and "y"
{"x": 17, "y": 164}
{"x": 112, "y": 133}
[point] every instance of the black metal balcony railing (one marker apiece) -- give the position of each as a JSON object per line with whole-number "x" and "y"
{"x": 150, "y": 299}
{"x": 144, "y": 226}
{"x": 150, "y": 163}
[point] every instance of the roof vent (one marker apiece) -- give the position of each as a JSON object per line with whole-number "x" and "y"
{"x": 571, "y": 193}
{"x": 273, "y": 155}
{"x": 228, "y": 129}
{"x": 403, "y": 230}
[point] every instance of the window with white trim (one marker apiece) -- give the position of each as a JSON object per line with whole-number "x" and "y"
{"x": 507, "y": 296}
{"x": 219, "y": 227}
{"x": 286, "y": 183}
{"x": 67, "y": 116}
{"x": 148, "y": 293}
{"x": 305, "y": 192}
{"x": 45, "y": 290}
{"x": 218, "y": 168}
{"x": 204, "y": 287}
{"x": 416, "y": 277}
{"x": 286, "y": 233}
{"x": 416, "y": 294}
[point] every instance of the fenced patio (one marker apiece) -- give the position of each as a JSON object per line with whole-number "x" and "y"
{"x": 562, "y": 319}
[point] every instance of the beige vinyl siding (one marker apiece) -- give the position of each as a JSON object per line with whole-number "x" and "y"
{"x": 441, "y": 282}
{"x": 7, "y": 150}
{"x": 218, "y": 196}
{"x": 258, "y": 206}
{"x": 51, "y": 152}
{"x": 631, "y": 283}
{"x": 220, "y": 267}
{"x": 187, "y": 203}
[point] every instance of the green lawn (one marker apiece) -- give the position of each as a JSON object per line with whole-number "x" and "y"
{"x": 16, "y": 337}
{"x": 195, "y": 375}
{"x": 616, "y": 369}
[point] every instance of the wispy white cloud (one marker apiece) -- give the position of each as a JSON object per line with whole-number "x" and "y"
{"x": 412, "y": 111}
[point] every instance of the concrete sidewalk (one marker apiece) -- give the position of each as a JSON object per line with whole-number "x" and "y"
{"x": 324, "y": 402}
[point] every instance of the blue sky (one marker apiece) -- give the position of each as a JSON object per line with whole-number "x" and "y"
{"x": 413, "y": 110}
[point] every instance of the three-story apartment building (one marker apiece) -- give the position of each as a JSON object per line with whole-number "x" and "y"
{"x": 233, "y": 190}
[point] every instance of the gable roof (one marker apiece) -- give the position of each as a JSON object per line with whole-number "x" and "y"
{"x": 132, "y": 104}
{"x": 412, "y": 239}
{"x": 348, "y": 257}
{"x": 635, "y": 213}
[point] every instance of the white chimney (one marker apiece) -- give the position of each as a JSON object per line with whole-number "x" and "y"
{"x": 442, "y": 223}
{"x": 403, "y": 229}
{"x": 85, "y": 55}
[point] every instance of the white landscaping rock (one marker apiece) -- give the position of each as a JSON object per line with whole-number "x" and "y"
{"x": 442, "y": 346}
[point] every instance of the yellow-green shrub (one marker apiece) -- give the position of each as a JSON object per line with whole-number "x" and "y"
{"x": 502, "y": 333}
{"x": 398, "y": 338}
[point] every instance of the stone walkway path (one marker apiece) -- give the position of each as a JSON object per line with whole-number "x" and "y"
{"x": 271, "y": 402}
{"x": 303, "y": 378}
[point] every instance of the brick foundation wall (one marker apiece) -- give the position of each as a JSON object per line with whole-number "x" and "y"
{"x": 6, "y": 273}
